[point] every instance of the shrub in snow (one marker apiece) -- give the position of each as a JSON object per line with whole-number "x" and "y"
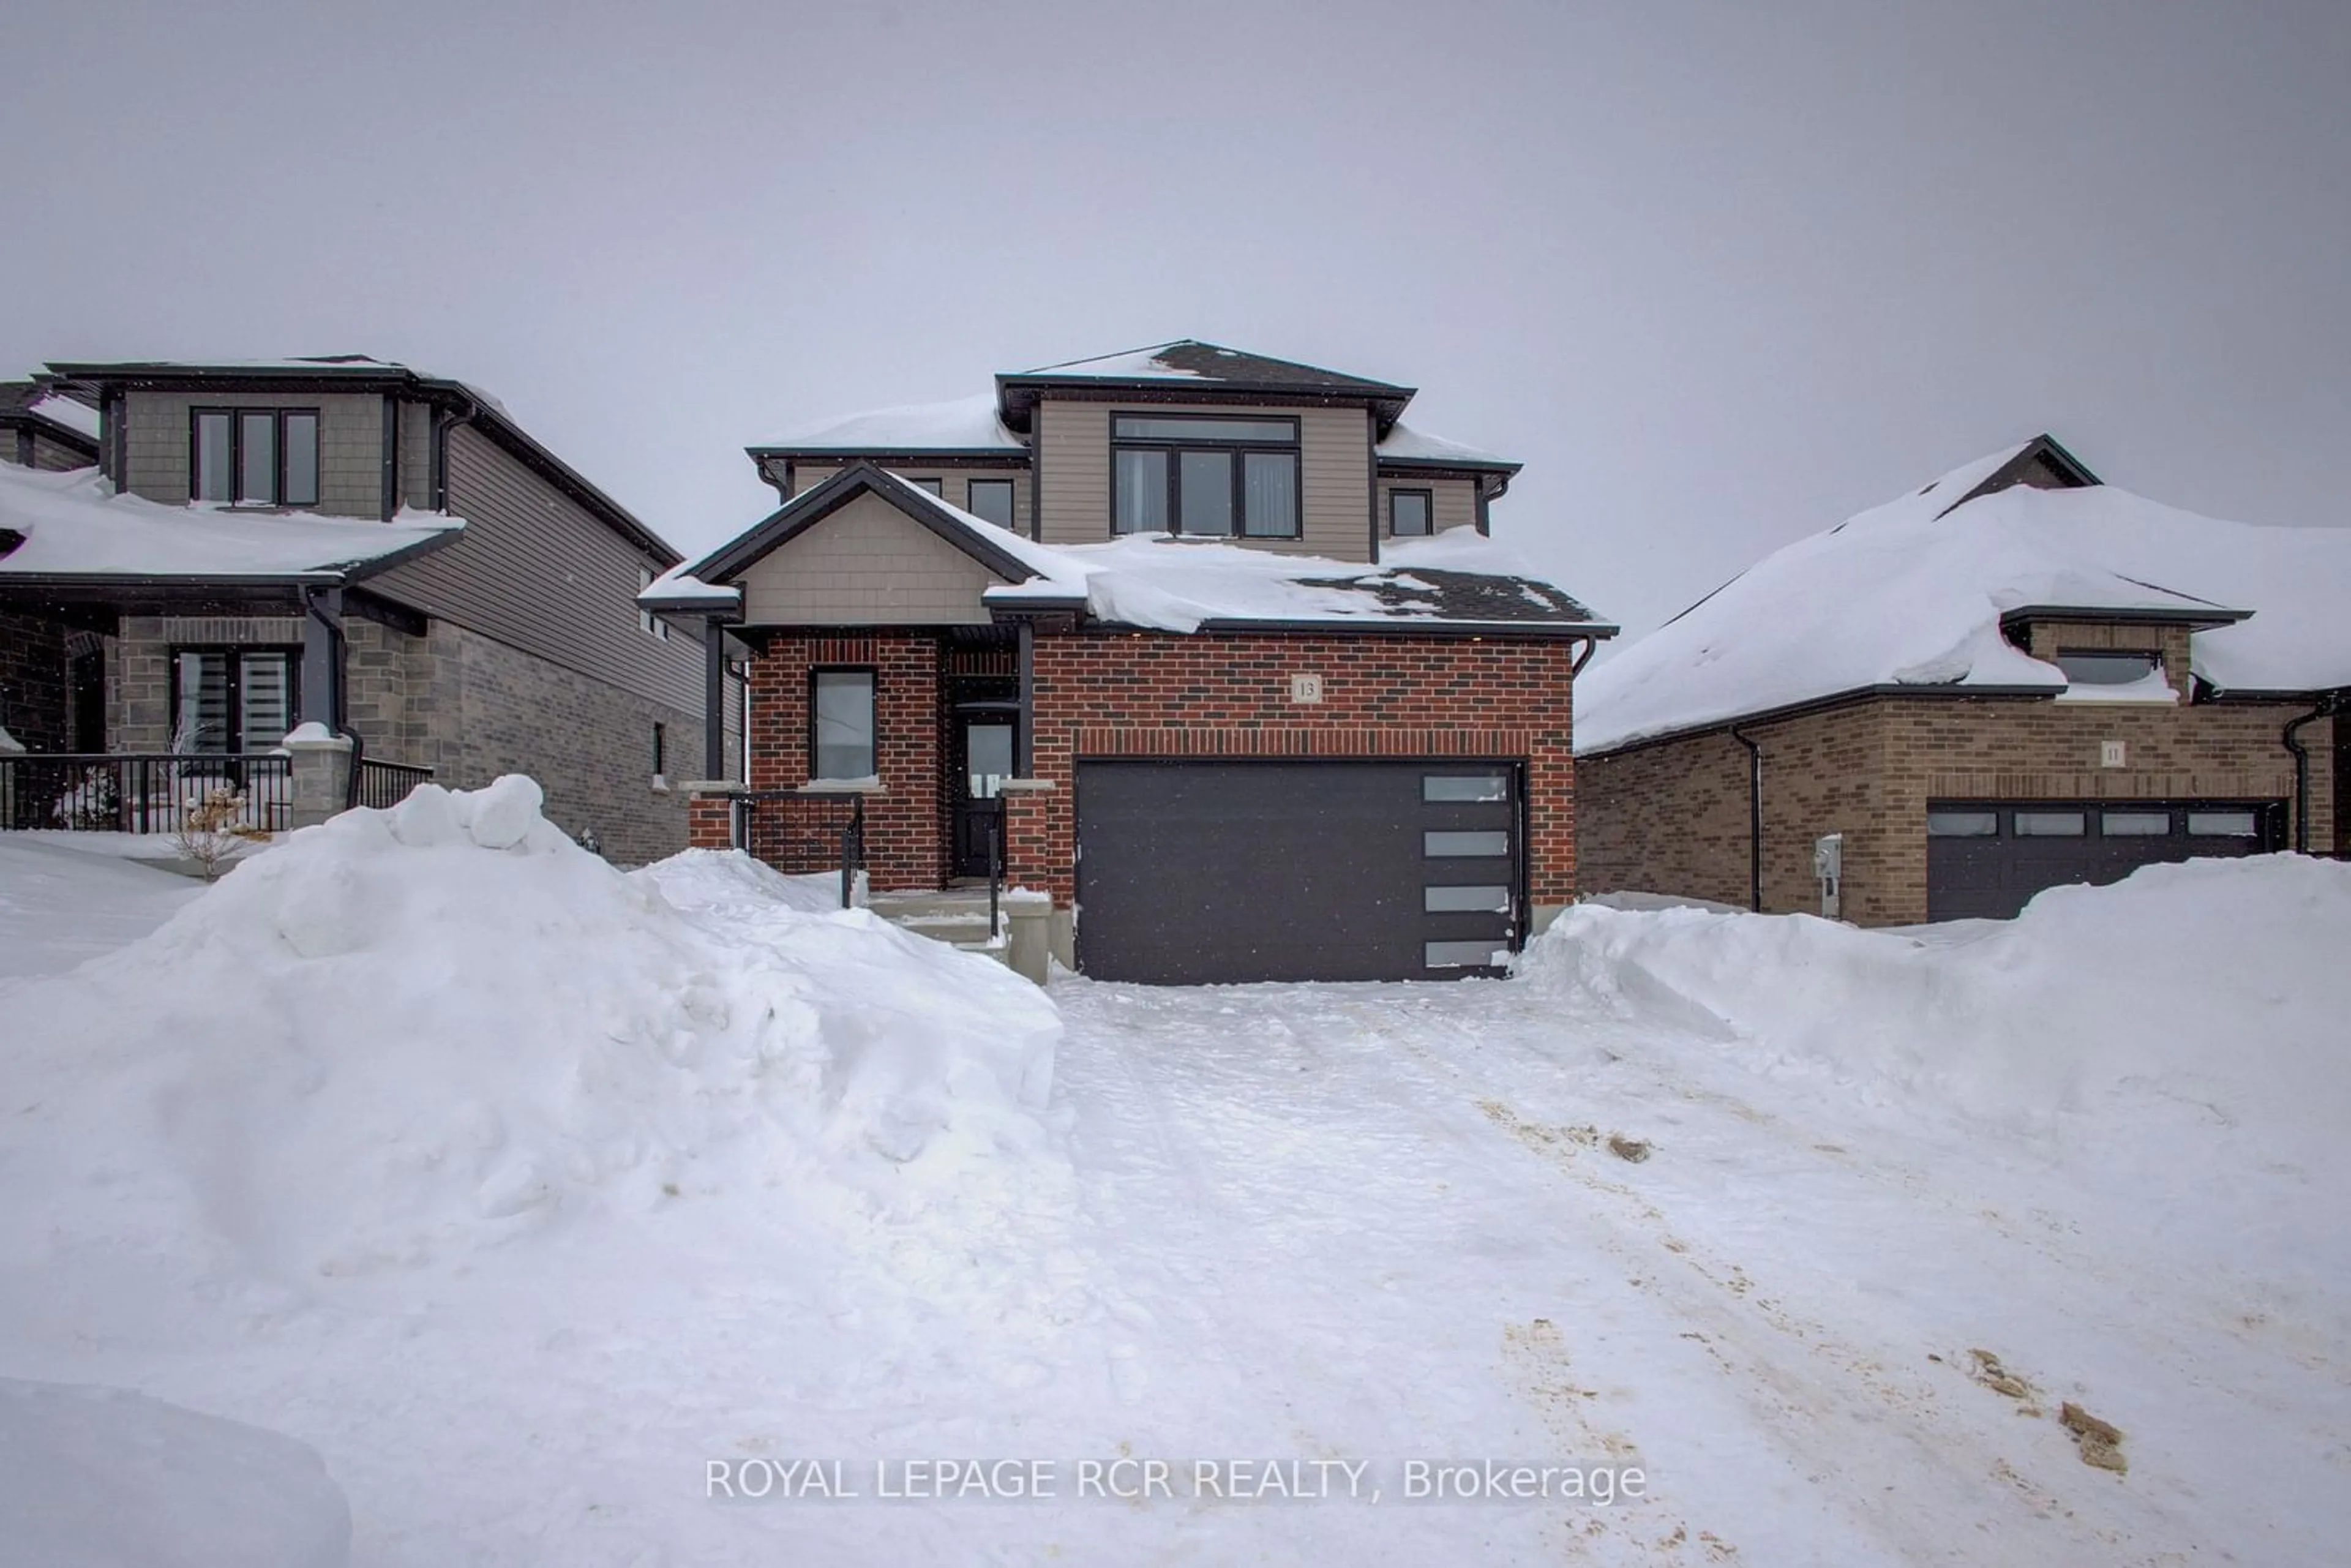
{"x": 445, "y": 1024}
{"x": 214, "y": 830}
{"x": 103, "y": 1478}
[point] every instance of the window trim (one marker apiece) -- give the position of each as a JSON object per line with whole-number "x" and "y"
{"x": 873, "y": 691}
{"x": 1012, "y": 523}
{"x": 1428, "y": 498}
{"x": 1237, "y": 449}
{"x": 234, "y": 745}
{"x": 237, "y": 415}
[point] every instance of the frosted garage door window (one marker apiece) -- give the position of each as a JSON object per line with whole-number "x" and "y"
{"x": 2222, "y": 824}
{"x": 1465, "y": 900}
{"x": 1459, "y": 955}
{"x": 2051, "y": 824}
{"x": 1447, "y": 845}
{"x": 1464, "y": 787}
{"x": 1962, "y": 824}
{"x": 2135, "y": 824}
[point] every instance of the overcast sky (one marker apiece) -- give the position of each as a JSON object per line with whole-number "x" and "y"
{"x": 1720, "y": 274}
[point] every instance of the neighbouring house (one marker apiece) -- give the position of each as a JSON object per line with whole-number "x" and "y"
{"x": 339, "y": 542}
{"x": 2014, "y": 678}
{"x": 1209, "y": 648}
{"x": 42, "y": 428}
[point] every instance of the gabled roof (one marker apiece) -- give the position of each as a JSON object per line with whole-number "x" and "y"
{"x": 1188, "y": 364}
{"x": 1007, "y": 554}
{"x": 44, "y": 408}
{"x": 2042, "y": 453}
{"x": 361, "y": 374}
{"x": 1919, "y": 595}
{"x": 1459, "y": 583}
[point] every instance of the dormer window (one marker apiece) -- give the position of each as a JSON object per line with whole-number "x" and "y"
{"x": 2105, "y": 666}
{"x": 1215, "y": 475}
{"x": 253, "y": 456}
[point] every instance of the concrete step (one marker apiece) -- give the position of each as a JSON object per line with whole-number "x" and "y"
{"x": 957, "y": 916}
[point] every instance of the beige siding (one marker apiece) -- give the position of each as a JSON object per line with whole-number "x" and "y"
{"x": 56, "y": 455}
{"x": 1073, "y": 455}
{"x": 351, "y": 445}
{"x": 955, "y": 484}
{"x": 1452, "y": 503}
{"x": 868, "y": 564}
{"x": 535, "y": 570}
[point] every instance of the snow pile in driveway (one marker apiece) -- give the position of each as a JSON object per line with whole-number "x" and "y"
{"x": 102, "y": 1478}
{"x": 409, "y": 1033}
{"x": 2207, "y": 1000}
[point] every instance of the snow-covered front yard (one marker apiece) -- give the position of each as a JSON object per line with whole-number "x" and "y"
{"x": 531, "y": 1196}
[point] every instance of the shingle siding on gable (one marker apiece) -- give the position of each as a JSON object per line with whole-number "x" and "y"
{"x": 1074, "y": 457}
{"x": 535, "y": 570}
{"x": 54, "y": 456}
{"x": 351, "y": 445}
{"x": 867, "y": 564}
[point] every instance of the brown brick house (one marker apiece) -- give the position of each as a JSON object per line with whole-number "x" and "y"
{"x": 2014, "y": 678}
{"x": 1208, "y": 647}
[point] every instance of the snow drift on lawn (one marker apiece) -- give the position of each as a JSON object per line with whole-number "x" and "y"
{"x": 2207, "y": 998}
{"x": 407, "y": 1034}
{"x": 103, "y": 1478}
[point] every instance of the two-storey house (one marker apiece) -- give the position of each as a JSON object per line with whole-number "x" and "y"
{"x": 342, "y": 542}
{"x": 1210, "y": 647}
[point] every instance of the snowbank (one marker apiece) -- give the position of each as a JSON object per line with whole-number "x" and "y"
{"x": 410, "y": 1033}
{"x": 2208, "y": 996}
{"x": 103, "y": 1478}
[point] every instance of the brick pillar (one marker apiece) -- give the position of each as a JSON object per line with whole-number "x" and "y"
{"x": 1028, "y": 805}
{"x": 710, "y": 814}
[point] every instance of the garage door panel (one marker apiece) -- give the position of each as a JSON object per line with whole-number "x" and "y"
{"x": 1192, "y": 873}
{"x": 1993, "y": 876}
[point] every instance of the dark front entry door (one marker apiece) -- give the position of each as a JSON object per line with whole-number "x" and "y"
{"x": 1202, "y": 872}
{"x": 983, "y": 759}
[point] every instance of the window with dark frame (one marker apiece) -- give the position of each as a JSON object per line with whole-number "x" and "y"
{"x": 935, "y": 486}
{"x": 1209, "y": 475}
{"x": 992, "y": 499}
{"x": 253, "y": 456}
{"x": 840, "y": 725}
{"x": 2106, "y": 666}
{"x": 649, "y": 623}
{"x": 1412, "y": 514}
{"x": 661, "y": 749}
{"x": 227, "y": 701}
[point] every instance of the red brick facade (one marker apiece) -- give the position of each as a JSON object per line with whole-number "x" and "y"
{"x": 1102, "y": 695}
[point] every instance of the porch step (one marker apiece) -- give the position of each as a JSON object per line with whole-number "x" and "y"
{"x": 957, "y": 916}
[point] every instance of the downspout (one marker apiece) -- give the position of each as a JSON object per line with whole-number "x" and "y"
{"x": 1754, "y": 820}
{"x": 2292, "y": 737}
{"x": 1590, "y": 646}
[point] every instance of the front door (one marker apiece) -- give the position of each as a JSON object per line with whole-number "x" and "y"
{"x": 983, "y": 761}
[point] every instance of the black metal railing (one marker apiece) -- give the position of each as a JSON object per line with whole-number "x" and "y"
{"x": 382, "y": 785}
{"x": 140, "y": 793}
{"x": 996, "y": 858}
{"x": 801, "y": 834}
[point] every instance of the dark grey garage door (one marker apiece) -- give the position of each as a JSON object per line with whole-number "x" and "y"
{"x": 1985, "y": 859}
{"x": 1195, "y": 872}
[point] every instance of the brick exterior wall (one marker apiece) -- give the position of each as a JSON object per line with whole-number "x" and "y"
{"x": 907, "y": 825}
{"x": 1672, "y": 817}
{"x": 33, "y": 682}
{"x": 464, "y": 704}
{"x": 1158, "y": 695}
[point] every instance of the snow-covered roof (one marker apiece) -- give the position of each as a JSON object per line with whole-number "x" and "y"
{"x": 1458, "y": 579}
{"x": 1910, "y": 593}
{"x": 74, "y": 526}
{"x": 960, "y": 425}
{"x": 1129, "y": 364}
{"x": 1405, "y": 444}
{"x": 77, "y": 417}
